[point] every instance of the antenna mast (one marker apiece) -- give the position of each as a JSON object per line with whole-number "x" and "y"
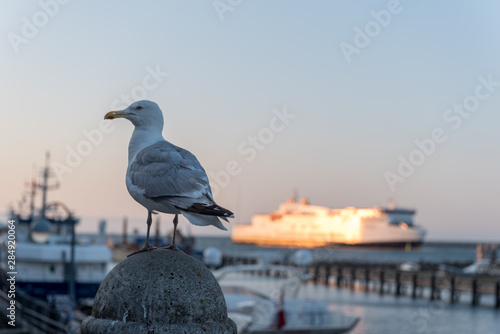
{"x": 44, "y": 186}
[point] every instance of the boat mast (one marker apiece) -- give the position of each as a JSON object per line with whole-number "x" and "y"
{"x": 44, "y": 186}
{"x": 33, "y": 193}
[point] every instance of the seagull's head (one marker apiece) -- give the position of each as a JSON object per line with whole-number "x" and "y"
{"x": 141, "y": 113}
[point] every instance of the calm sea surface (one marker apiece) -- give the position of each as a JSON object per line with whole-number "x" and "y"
{"x": 380, "y": 313}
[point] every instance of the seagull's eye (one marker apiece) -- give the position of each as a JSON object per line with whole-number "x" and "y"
{"x": 138, "y": 108}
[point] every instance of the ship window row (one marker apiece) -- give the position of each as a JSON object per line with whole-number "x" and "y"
{"x": 408, "y": 222}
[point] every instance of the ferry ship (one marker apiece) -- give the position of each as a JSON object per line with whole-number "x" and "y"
{"x": 300, "y": 224}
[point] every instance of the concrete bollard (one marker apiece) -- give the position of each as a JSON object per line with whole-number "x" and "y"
{"x": 160, "y": 291}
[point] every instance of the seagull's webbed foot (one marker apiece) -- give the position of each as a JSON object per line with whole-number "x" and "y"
{"x": 172, "y": 247}
{"x": 146, "y": 248}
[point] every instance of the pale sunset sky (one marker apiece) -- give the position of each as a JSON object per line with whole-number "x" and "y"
{"x": 348, "y": 103}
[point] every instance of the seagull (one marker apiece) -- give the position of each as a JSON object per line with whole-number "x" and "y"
{"x": 163, "y": 177}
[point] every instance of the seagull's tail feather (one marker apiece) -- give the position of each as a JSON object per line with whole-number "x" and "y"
{"x": 203, "y": 220}
{"x": 207, "y": 209}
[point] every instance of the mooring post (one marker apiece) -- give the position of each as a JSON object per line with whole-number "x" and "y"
{"x": 497, "y": 294}
{"x": 367, "y": 278}
{"x": 381, "y": 279}
{"x": 433, "y": 285}
{"x": 452, "y": 289}
{"x": 414, "y": 280}
{"x": 339, "y": 276}
{"x": 353, "y": 277}
{"x": 475, "y": 294}
{"x": 316, "y": 273}
{"x": 398, "y": 282}
{"x": 327, "y": 274}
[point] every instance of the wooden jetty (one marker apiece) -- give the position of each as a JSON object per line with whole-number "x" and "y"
{"x": 440, "y": 285}
{"x": 429, "y": 282}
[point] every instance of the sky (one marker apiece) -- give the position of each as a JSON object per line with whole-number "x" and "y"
{"x": 347, "y": 103}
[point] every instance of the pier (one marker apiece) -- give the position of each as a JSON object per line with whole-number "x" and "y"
{"x": 426, "y": 283}
{"x": 430, "y": 284}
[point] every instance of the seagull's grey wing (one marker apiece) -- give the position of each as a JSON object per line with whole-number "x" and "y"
{"x": 165, "y": 170}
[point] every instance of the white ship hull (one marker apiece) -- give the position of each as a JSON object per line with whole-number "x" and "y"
{"x": 304, "y": 225}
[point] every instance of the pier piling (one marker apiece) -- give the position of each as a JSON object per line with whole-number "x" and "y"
{"x": 414, "y": 279}
{"x": 381, "y": 280}
{"x": 327, "y": 275}
{"x": 352, "y": 282}
{"x": 398, "y": 283}
{"x": 475, "y": 294}
{"x": 339, "y": 276}
{"x": 452, "y": 290}
{"x": 497, "y": 294}
{"x": 316, "y": 274}
{"x": 433, "y": 286}
{"x": 367, "y": 279}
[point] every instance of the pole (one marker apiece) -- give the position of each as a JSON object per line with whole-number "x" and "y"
{"x": 72, "y": 279}
{"x": 124, "y": 232}
{"x": 44, "y": 186}
{"x": 32, "y": 195}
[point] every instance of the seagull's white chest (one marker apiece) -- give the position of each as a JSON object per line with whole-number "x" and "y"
{"x": 136, "y": 192}
{"x": 142, "y": 138}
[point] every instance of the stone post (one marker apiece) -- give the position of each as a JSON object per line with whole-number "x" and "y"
{"x": 160, "y": 291}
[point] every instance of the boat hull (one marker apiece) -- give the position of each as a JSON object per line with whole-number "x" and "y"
{"x": 312, "y": 244}
{"x": 43, "y": 290}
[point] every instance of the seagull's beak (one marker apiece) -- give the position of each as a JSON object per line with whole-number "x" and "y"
{"x": 117, "y": 114}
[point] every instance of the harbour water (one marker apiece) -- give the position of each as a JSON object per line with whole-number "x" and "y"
{"x": 380, "y": 313}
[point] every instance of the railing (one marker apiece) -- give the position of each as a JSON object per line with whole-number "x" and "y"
{"x": 32, "y": 315}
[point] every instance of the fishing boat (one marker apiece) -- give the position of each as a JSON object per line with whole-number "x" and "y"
{"x": 51, "y": 263}
{"x": 300, "y": 224}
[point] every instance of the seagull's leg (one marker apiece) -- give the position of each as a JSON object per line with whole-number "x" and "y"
{"x": 173, "y": 246}
{"x": 147, "y": 246}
